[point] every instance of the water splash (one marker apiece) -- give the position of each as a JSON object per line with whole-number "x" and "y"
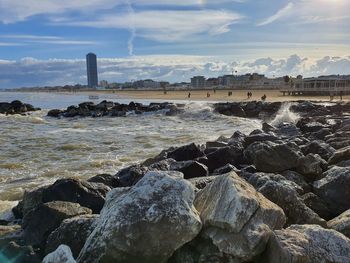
{"x": 284, "y": 114}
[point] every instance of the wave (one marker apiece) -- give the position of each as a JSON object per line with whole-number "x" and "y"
{"x": 284, "y": 114}
{"x": 32, "y": 119}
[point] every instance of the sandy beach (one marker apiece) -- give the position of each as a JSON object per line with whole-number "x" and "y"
{"x": 219, "y": 95}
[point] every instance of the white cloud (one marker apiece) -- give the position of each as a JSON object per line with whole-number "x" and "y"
{"x": 285, "y": 11}
{"x": 40, "y": 39}
{"x": 167, "y": 25}
{"x": 19, "y": 10}
{"x": 33, "y": 72}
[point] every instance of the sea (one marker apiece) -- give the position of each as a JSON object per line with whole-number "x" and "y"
{"x": 36, "y": 150}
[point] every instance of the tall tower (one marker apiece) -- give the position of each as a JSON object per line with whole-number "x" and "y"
{"x": 91, "y": 65}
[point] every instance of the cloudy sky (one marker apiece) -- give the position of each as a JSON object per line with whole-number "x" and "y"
{"x": 45, "y": 42}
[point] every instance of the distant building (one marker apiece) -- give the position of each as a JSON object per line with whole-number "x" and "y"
{"x": 198, "y": 82}
{"x": 91, "y": 65}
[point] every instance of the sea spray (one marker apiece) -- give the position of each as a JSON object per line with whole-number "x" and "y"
{"x": 284, "y": 114}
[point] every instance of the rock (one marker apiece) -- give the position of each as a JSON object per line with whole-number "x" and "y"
{"x": 223, "y": 156}
{"x": 185, "y": 153}
{"x": 340, "y": 155}
{"x": 225, "y": 169}
{"x": 55, "y": 113}
{"x": 190, "y": 169}
{"x": 216, "y": 144}
{"x": 261, "y": 137}
{"x": 318, "y": 147}
{"x": 307, "y": 243}
{"x": 38, "y": 223}
{"x": 298, "y": 179}
{"x": 334, "y": 188}
{"x": 317, "y": 205}
{"x": 161, "y": 156}
{"x": 72, "y": 232}
{"x": 62, "y": 254}
{"x": 201, "y": 182}
{"x": 13, "y": 252}
{"x": 311, "y": 166}
{"x": 146, "y": 223}
{"x": 30, "y": 200}
{"x": 106, "y": 179}
{"x": 284, "y": 193}
{"x": 130, "y": 175}
{"x": 272, "y": 157}
{"x": 341, "y": 223}
{"x": 163, "y": 165}
{"x": 86, "y": 194}
{"x": 236, "y": 218}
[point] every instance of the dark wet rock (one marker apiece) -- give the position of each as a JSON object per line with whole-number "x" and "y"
{"x": 321, "y": 134}
{"x": 318, "y": 205}
{"x": 216, "y": 144}
{"x": 130, "y": 175}
{"x": 186, "y": 152}
{"x": 306, "y": 243}
{"x": 106, "y": 179}
{"x": 273, "y": 157}
{"x": 334, "y": 188}
{"x": 287, "y": 130}
{"x": 311, "y": 166}
{"x": 30, "y": 200}
{"x": 201, "y": 182}
{"x": 72, "y": 232}
{"x": 261, "y": 137}
{"x": 163, "y": 165}
{"x": 341, "y": 223}
{"x": 55, "y": 113}
{"x": 248, "y": 169}
{"x": 340, "y": 155}
{"x": 38, "y": 223}
{"x": 190, "y": 169}
{"x": 285, "y": 194}
{"x": 90, "y": 195}
{"x": 225, "y": 169}
{"x": 318, "y": 147}
{"x": 161, "y": 156}
{"x": 16, "y": 107}
{"x": 226, "y": 155}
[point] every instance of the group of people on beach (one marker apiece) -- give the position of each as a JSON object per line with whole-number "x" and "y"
{"x": 249, "y": 95}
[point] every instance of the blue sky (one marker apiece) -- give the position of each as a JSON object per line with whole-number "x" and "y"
{"x": 45, "y": 42}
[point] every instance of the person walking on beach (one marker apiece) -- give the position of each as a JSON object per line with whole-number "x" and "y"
{"x": 189, "y": 95}
{"x": 263, "y": 98}
{"x": 341, "y": 95}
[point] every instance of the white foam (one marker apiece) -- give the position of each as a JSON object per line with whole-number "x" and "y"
{"x": 284, "y": 114}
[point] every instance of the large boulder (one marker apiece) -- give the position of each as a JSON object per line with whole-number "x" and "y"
{"x": 334, "y": 188}
{"x": 42, "y": 220}
{"x": 90, "y": 195}
{"x": 307, "y": 244}
{"x": 341, "y": 223}
{"x": 146, "y": 223}
{"x": 30, "y": 200}
{"x": 311, "y": 166}
{"x": 273, "y": 157}
{"x": 237, "y": 219}
{"x": 318, "y": 205}
{"x": 130, "y": 175}
{"x": 298, "y": 179}
{"x": 72, "y": 232}
{"x": 340, "y": 155}
{"x": 62, "y": 254}
{"x": 284, "y": 194}
{"x": 190, "y": 169}
{"x": 226, "y": 155}
{"x": 186, "y": 152}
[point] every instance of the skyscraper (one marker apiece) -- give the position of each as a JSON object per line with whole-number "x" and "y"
{"x": 91, "y": 64}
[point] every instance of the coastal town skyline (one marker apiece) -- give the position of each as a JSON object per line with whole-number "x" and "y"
{"x": 45, "y": 44}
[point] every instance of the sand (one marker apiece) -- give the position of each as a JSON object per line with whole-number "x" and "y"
{"x": 219, "y": 95}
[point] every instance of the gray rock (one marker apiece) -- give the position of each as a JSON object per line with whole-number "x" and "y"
{"x": 341, "y": 223}
{"x": 340, "y": 155}
{"x": 39, "y": 222}
{"x": 334, "y": 188}
{"x": 311, "y": 166}
{"x": 307, "y": 244}
{"x": 186, "y": 152}
{"x": 62, "y": 254}
{"x": 226, "y": 155}
{"x": 272, "y": 157}
{"x": 163, "y": 165}
{"x": 130, "y": 175}
{"x": 318, "y": 147}
{"x": 72, "y": 232}
{"x": 146, "y": 223}
{"x": 30, "y": 200}
{"x": 201, "y": 182}
{"x": 298, "y": 179}
{"x": 317, "y": 205}
{"x": 236, "y": 218}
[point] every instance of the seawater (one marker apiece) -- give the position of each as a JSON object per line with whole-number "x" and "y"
{"x": 36, "y": 150}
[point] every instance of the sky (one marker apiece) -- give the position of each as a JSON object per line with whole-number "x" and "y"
{"x": 45, "y": 42}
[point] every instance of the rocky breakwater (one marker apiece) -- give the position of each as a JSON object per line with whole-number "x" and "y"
{"x": 16, "y": 107}
{"x": 114, "y": 109}
{"x": 279, "y": 194}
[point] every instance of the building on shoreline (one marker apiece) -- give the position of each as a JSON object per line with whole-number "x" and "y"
{"x": 332, "y": 85}
{"x": 91, "y": 66}
{"x": 198, "y": 82}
